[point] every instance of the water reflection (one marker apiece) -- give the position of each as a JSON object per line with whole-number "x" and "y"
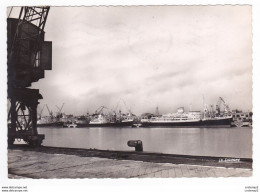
{"x": 230, "y": 142}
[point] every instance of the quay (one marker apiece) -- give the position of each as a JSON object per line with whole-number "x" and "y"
{"x": 54, "y": 162}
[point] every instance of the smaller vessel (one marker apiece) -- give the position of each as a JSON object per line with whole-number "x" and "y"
{"x": 242, "y": 119}
{"x": 70, "y": 124}
{"x": 137, "y": 125}
{"x": 243, "y": 123}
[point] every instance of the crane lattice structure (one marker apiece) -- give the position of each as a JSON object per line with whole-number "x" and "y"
{"x": 28, "y": 56}
{"x": 218, "y": 106}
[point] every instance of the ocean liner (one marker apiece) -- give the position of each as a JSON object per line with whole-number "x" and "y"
{"x": 191, "y": 119}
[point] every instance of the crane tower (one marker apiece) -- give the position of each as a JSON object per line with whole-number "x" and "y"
{"x": 28, "y": 56}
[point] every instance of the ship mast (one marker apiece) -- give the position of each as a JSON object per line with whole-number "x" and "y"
{"x": 157, "y": 111}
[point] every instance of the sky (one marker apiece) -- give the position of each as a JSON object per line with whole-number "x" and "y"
{"x": 140, "y": 57}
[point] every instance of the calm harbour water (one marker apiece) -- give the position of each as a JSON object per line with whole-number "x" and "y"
{"x": 228, "y": 142}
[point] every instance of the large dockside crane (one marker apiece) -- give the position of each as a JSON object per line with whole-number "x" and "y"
{"x": 218, "y": 107}
{"x": 28, "y": 56}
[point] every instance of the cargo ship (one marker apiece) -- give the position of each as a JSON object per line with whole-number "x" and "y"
{"x": 111, "y": 118}
{"x": 102, "y": 121}
{"x": 49, "y": 122}
{"x": 83, "y": 121}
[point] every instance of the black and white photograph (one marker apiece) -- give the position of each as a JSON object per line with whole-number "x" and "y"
{"x": 129, "y": 92}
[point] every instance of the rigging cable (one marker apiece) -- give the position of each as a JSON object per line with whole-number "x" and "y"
{"x": 10, "y": 12}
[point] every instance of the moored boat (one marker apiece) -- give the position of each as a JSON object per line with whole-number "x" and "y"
{"x": 101, "y": 121}
{"x": 49, "y": 122}
{"x": 190, "y": 119}
{"x": 172, "y": 120}
{"x": 186, "y": 121}
{"x": 110, "y": 119}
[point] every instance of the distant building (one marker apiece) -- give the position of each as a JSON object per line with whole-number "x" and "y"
{"x": 239, "y": 115}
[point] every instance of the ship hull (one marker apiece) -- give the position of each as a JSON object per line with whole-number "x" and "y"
{"x": 55, "y": 124}
{"x": 202, "y": 123}
{"x": 80, "y": 125}
{"x": 117, "y": 124}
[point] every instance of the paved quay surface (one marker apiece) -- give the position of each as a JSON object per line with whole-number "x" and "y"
{"x": 36, "y": 164}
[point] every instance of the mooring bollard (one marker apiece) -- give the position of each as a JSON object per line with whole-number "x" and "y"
{"x": 138, "y": 144}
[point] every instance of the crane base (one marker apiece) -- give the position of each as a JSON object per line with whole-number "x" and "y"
{"x": 32, "y": 140}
